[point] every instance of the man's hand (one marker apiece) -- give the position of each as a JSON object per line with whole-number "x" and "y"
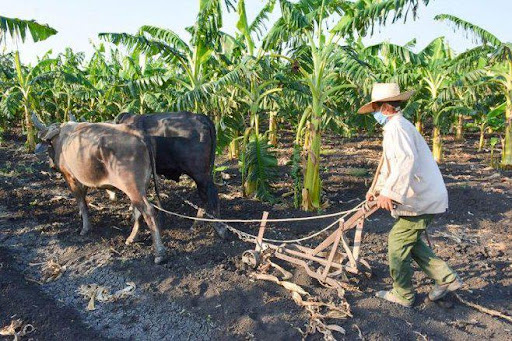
{"x": 370, "y": 196}
{"x": 385, "y": 203}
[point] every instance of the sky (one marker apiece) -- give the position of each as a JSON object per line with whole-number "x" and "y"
{"x": 78, "y": 22}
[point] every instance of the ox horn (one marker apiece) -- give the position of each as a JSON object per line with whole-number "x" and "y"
{"x": 72, "y": 118}
{"x": 37, "y": 123}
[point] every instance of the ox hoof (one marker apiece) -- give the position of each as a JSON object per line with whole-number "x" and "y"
{"x": 131, "y": 240}
{"x": 84, "y": 232}
{"x": 160, "y": 259}
{"x": 221, "y": 230}
{"x": 196, "y": 225}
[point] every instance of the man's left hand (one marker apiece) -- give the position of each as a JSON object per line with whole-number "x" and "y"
{"x": 385, "y": 203}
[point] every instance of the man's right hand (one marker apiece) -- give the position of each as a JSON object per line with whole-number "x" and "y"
{"x": 370, "y": 196}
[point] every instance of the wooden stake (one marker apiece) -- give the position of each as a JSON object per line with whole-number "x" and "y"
{"x": 259, "y": 240}
{"x": 339, "y": 234}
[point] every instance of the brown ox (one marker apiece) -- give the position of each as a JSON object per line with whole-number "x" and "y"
{"x": 103, "y": 155}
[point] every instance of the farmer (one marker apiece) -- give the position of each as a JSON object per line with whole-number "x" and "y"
{"x": 411, "y": 187}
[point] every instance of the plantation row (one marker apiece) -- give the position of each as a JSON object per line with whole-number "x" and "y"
{"x": 299, "y": 73}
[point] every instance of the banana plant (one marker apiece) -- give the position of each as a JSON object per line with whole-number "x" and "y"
{"x": 24, "y": 90}
{"x": 435, "y": 77}
{"x": 18, "y": 29}
{"x": 143, "y": 81}
{"x": 65, "y": 92}
{"x": 8, "y": 104}
{"x": 303, "y": 28}
{"x": 107, "y": 97}
{"x": 491, "y": 120}
{"x": 247, "y": 29}
{"x": 191, "y": 60}
{"x": 251, "y": 81}
{"x": 258, "y": 165}
{"x": 500, "y": 57}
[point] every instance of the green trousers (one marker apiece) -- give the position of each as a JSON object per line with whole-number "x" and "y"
{"x": 404, "y": 245}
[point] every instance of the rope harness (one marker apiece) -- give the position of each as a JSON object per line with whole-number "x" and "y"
{"x": 247, "y": 237}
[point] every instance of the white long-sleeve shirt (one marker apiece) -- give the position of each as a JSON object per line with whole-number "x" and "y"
{"x": 409, "y": 175}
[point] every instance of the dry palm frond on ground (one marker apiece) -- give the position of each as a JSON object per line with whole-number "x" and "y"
{"x": 16, "y": 329}
{"x": 95, "y": 292}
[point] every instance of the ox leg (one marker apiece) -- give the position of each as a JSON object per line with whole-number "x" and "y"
{"x": 213, "y": 198}
{"x": 149, "y": 214}
{"x": 82, "y": 205}
{"x": 201, "y": 190}
{"x": 79, "y": 192}
{"x": 214, "y": 205}
{"x": 197, "y": 223}
{"x": 136, "y": 225}
{"x": 210, "y": 198}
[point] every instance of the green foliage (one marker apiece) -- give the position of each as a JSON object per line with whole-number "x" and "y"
{"x": 361, "y": 16}
{"x": 296, "y": 175}
{"x": 258, "y": 168}
{"x": 18, "y": 28}
{"x": 493, "y": 142}
{"x": 310, "y": 69}
{"x": 479, "y": 35}
{"x": 357, "y": 172}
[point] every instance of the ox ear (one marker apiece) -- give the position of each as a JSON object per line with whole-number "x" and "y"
{"x": 37, "y": 123}
{"x": 72, "y": 118}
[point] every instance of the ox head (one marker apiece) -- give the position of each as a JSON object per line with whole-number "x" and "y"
{"x": 46, "y": 135}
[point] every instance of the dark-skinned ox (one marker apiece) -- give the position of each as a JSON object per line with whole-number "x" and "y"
{"x": 185, "y": 144}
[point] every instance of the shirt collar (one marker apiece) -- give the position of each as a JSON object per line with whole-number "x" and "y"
{"x": 395, "y": 117}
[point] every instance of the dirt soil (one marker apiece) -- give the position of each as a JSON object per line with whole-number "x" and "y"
{"x": 204, "y": 292}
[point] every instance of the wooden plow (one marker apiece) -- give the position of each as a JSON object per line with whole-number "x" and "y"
{"x": 327, "y": 261}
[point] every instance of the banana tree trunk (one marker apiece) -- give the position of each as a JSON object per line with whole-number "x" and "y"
{"x": 506, "y": 160}
{"x": 437, "y": 145}
{"x": 141, "y": 104}
{"x": 312, "y": 188}
{"x": 272, "y": 127}
{"x": 307, "y": 137}
{"x": 31, "y": 136}
{"x": 481, "y": 142}
{"x": 234, "y": 148}
{"x": 31, "y": 142}
{"x": 65, "y": 116}
{"x": 419, "y": 125}
{"x": 250, "y": 187}
{"x": 459, "y": 134}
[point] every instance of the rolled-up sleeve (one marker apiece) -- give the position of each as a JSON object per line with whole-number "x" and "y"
{"x": 401, "y": 154}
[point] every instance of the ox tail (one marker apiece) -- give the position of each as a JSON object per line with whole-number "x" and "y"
{"x": 148, "y": 140}
{"x": 213, "y": 135}
{"x": 151, "y": 151}
{"x": 213, "y": 194}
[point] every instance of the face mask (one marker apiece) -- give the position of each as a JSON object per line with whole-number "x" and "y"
{"x": 380, "y": 118}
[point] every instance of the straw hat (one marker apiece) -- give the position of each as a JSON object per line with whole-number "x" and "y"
{"x": 385, "y": 92}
